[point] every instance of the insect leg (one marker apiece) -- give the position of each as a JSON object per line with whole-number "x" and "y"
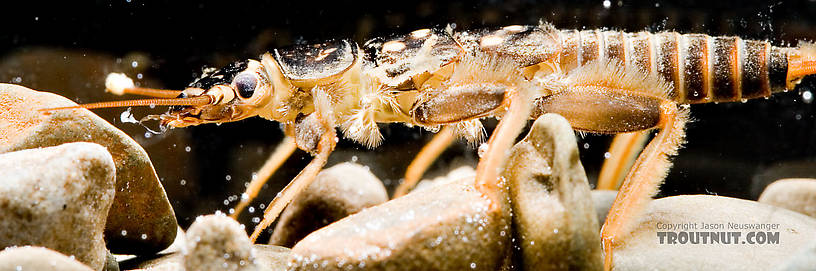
{"x": 462, "y": 102}
{"x": 322, "y": 148}
{"x": 608, "y": 98}
{"x": 502, "y": 139}
{"x": 643, "y": 180}
{"x": 458, "y": 103}
{"x": 282, "y": 152}
{"x": 424, "y": 159}
{"x": 622, "y": 154}
{"x": 481, "y": 86}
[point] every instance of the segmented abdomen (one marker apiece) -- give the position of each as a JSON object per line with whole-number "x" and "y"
{"x": 702, "y": 68}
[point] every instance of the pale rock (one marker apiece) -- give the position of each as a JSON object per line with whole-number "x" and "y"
{"x": 270, "y": 257}
{"x": 789, "y": 168}
{"x": 337, "y": 192}
{"x": 804, "y": 259}
{"x": 267, "y": 258}
{"x": 159, "y": 262}
{"x": 217, "y": 242}
{"x": 29, "y": 258}
{"x": 444, "y": 227}
{"x": 797, "y": 195}
{"x": 603, "y": 200}
{"x": 79, "y": 74}
{"x": 455, "y": 174}
{"x": 58, "y": 197}
{"x": 553, "y": 213}
{"x": 141, "y": 220}
{"x": 111, "y": 264}
{"x": 641, "y": 249}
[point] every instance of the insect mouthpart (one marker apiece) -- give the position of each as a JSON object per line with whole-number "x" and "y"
{"x": 227, "y": 103}
{"x": 215, "y": 111}
{"x": 195, "y": 115}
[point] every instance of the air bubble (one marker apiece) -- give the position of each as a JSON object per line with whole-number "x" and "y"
{"x": 228, "y": 177}
{"x": 807, "y": 96}
{"x": 144, "y": 236}
{"x": 188, "y": 149}
{"x": 134, "y": 64}
{"x": 606, "y": 4}
{"x": 124, "y": 233}
{"x": 607, "y": 155}
{"x": 482, "y": 149}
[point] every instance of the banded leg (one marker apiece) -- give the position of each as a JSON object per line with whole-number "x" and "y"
{"x": 480, "y": 100}
{"x": 622, "y": 154}
{"x": 282, "y": 153}
{"x": 643, "y": 180}
{"x": 610, "y": 98}
{"x": 424, "y": 159}
{"x": 618, "y": 108}
{"x": 499, "y": 144}
{"x": 323, "y": 146}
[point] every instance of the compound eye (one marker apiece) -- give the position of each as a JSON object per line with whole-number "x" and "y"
{"x": 245, "y": 83}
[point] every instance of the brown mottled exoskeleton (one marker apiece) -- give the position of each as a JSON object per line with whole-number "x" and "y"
{"x": 601, "y": 81}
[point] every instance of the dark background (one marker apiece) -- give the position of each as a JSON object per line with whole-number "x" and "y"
{"x": 733, "y": 149}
